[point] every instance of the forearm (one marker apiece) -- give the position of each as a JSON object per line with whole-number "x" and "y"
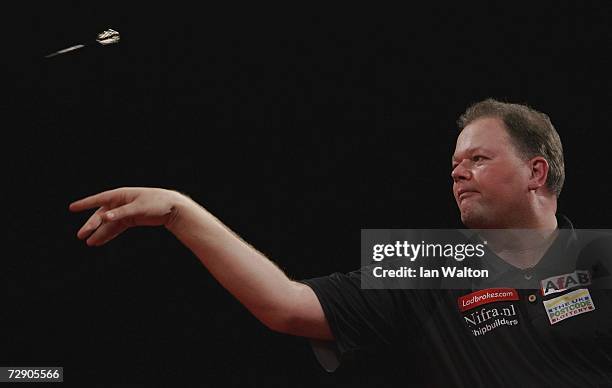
{"x": 247, "y": 274}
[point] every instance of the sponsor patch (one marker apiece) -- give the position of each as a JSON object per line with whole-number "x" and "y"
{"x": 569, "y": 305}
{"x": 488, "y": 295}
{"x": 484, "y": 320}
{"x": 564, "y": 282}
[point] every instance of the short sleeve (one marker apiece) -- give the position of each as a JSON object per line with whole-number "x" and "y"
{"x": 362, "y": 319}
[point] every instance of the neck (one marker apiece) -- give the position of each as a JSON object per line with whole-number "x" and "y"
{"x": 524, "y": 242}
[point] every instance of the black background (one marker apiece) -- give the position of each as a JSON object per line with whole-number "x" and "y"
{"x": 296, "y": 127}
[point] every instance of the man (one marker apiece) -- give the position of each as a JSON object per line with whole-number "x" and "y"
{"x": 507, "y": 172}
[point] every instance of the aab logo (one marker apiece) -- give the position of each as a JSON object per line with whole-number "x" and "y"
{"x": 561, "y": 283}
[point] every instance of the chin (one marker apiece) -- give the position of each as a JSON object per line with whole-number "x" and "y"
{"x": 475, "y": 220}
{"x": 469, "y": 222}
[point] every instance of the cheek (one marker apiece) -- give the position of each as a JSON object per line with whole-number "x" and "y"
{"x": 502, "y": 183}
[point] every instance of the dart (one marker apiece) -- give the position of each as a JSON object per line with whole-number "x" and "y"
{"x": 104, "y": 38}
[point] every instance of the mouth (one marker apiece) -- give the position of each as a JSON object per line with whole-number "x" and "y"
{"x": 463, "y": 194}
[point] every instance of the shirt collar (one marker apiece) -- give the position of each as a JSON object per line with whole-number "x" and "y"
{"x": 560, "y": 257}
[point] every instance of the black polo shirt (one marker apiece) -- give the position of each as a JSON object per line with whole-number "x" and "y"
{"x": 557, "y": 333}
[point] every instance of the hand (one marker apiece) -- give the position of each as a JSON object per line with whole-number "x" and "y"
{"x": 124, "y": 208}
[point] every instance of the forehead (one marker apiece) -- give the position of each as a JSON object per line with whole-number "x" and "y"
{"x": 485, "y": 134}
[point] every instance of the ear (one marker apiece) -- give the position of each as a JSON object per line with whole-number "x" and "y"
{"x": 539, "y": 172}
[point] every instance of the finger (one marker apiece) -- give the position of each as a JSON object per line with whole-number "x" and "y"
{"x": 121, "y": 212}
{"x": 91, "y": 224}
{"x": 106, "y": 232}
{"x": 94, "y": 200}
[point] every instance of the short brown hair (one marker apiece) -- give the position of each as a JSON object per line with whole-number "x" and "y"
{"x": 531, "y": 132}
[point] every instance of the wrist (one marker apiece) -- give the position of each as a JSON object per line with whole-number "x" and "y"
{"x": 178, "y": 205}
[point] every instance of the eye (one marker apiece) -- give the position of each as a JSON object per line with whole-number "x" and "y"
{"x": 478, "y": 158}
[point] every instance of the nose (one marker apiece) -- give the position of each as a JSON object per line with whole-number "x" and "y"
{"x": 460, "y": 173}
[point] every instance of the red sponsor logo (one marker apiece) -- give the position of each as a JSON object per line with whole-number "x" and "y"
{"x": 488, "y": 295}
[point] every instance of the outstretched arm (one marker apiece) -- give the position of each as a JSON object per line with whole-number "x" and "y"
{"x": 277, "y": 301}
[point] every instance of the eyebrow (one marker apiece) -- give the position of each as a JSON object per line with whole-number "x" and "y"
{"x": 471, "y": 150}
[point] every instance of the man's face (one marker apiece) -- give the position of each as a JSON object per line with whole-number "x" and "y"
{"x": 490, "y": 180}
